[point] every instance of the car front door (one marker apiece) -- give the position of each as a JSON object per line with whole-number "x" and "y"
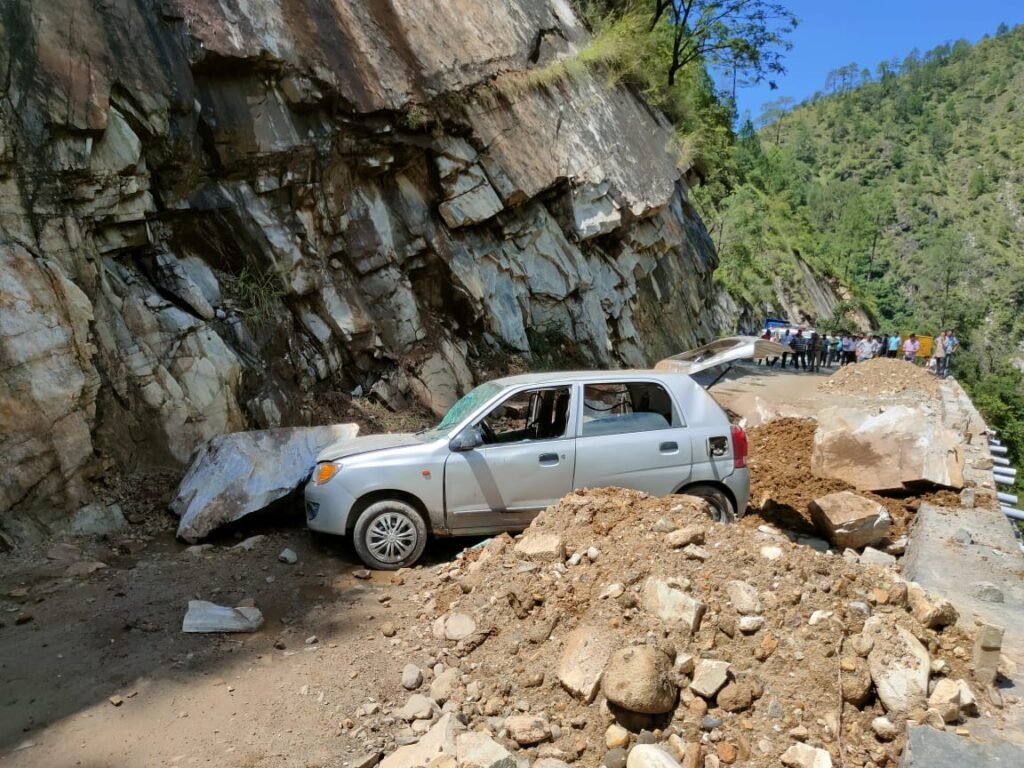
{"x": 631, "y": 435}
{"x": 524, "y": 464}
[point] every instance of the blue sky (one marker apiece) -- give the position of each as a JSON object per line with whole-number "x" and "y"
{"x": 836, "y": 32}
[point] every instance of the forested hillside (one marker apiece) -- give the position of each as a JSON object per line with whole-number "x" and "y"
{"x": 905, "y": 182}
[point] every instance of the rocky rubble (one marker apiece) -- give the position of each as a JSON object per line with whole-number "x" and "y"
{"x": 800, "y": 658}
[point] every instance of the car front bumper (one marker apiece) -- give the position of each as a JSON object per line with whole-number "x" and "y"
{"x": 328, "y": 506}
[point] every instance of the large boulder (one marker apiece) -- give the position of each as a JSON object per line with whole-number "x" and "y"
{"x": 233, "y": 475}
{"x": 894, "y": 450}
{"x": 849, "y": 520}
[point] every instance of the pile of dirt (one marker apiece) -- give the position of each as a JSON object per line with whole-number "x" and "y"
{"x": 535, "y": 635}
{"x": 782, "y": 485}
{"x": 881, "y": 376}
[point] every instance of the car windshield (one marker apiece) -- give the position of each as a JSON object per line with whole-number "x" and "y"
{"x": 466, "y": 405}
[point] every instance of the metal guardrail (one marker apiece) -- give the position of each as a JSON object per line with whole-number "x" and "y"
{"x": 1006, "y": 476}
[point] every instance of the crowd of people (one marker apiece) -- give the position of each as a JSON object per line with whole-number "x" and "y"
{"x": 811, "y": 351}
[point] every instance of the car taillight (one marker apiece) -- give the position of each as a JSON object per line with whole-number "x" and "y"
{"x": 739, "y": 447}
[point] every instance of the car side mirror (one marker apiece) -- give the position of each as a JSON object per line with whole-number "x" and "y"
{"x": 466, "y": 440}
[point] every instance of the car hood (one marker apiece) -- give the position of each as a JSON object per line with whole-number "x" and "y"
{"x": 365, "y": 444}
{"x": 719, "y": 352}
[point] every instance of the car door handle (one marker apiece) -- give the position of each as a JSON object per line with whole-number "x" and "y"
{"x": 669, "y": 447}
{"x": 549, "y": 459}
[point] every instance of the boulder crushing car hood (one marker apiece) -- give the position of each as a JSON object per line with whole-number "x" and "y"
{"x": 719, "y": 352}
{"x": 365, "y": 444}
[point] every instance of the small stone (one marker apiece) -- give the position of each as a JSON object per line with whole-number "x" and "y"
{"x": 804, "y": 756}
{"x": 418, "y": 707}
{"x": 726, "y": 752}
{"x": 614, "y": 758}
{"x": 650, "y": 756}
{"x": 527, "y": 730}
{"x": 312, "y": 640}
{"x": 23, "y": 618}
{"x": 288, "y": 556}
{"x": 664, "y": 525}
{"x": 743, "y": 597}
{"x": 709, "y": 677}
{"x": 771, "y": 552}
{"x": 800, "y": 733}
{"x": 945, "y": 700}
{"x": 736, "y": 697}
{"x": 819, "y": 616}
{"x": 412, "y": 677}
{"x": 709, "y": 723}
{"x": 250, "y": 543}
{"x": 963, "y": 536}
{"x": 541, "y": 547}
{"x": 388, "y": 629}
{"x": 457, "y": 626}
{"x": 748, "y": 625}
{"x": 117, "y": 701}
{"x": 616, "y": 736}
{"x": 593, "y": 553}
{"x": 443, "y": 686}
{"x": 872, "y": 556}
{"x": 683, "y": 537}
{"x": 612, "y": 591}
{"x": 883, "y": 728}
{"x": 988, "y": 592}
{"x": 693, "y": 552}
{"x": 361, "y": 573}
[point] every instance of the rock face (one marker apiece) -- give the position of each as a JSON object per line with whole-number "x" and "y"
{"x": 894, "y": 450}
{"x": 233, "y": 475}
{"x": 216, "y": 208}
{"x": 849, "y": 520}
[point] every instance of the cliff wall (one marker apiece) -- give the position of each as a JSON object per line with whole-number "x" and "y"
{"x": 211, "y": 208}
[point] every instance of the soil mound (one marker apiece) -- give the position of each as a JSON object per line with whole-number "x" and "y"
{"x": 763, "y": 636}
{"x": 881, "y": 376}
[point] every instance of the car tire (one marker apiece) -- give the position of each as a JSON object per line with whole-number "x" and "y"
{"x": 722, "y": 509}
{"x": 389, "y": 535}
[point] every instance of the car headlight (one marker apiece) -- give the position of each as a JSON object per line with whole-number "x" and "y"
{"x": 325, "y": 471}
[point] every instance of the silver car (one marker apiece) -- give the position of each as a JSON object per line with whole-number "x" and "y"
{"x": 513, "y": 446}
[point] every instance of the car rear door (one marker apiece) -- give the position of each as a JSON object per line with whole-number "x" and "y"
{"x": 631, "y": 434}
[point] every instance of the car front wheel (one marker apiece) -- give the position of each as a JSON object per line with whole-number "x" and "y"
{"x": 389, "y": 535}
{"x": 722, "y": 509}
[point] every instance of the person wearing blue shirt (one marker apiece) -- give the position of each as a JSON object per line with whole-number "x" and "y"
{"x": 893, "y": 346}
{"x": 950, "y": 344}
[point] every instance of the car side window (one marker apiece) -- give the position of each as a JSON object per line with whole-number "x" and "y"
{"x": 534, "y": 414}
{"x": 623, "y": 407}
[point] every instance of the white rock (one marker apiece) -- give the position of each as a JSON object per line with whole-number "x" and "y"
{"x": 203, "y": 616}
{"x": 709, "y": 676}
{"x": 884, "y": 728}
{"x": 541, "y": 547}
{"x": 693, "y": 552}
{"x": 748, "y": 625}
{"x": 743, "y": 597}
{"x": 593, "y": 553}
{"x": 288, "y": 556}
{"x": 899, "y": 666}
{"x": 872, "y": 556}
{"x": 439, "y": 740}
{"x": 771, "y": 552}
{"x": 478, "y": 750}
{"x": 454, "y": 627}
{"x": 612, "y": 590}
{"x": 945, "y": 699}
{"x": 650, "y": 756}
{"x": 98, "y": 520}
{"x": 233, "y": 475}
{"x": 665, "y": 599}
{"x": 850, "y": 520}
{"x": 444, "y": 684}
{"x": 819, "y": 616}
{"x": 412, "y": 677}
{"x": 418, "y": 707}
{"x": 804, "y": 756}
{"x": 587, "y": 650}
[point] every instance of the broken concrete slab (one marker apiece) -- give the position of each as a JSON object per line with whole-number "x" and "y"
{"x": 203, "y": 616}
{"x": 665, "y": 599}
{"x": 587, "y": 650}
{"x": 850, "y": 520}
{"x": 439, "y": 740}
{"x": 236, "y": 474}
{"x": 931, "y": 748}
{"x": 897, "y": 449}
